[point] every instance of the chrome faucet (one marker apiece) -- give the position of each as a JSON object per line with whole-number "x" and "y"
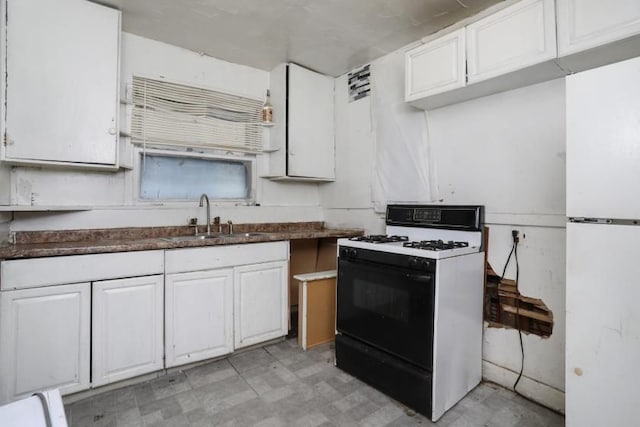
{"x": 205, "y": 197}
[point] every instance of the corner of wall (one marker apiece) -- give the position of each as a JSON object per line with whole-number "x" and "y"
{"x": 5, "y": 221}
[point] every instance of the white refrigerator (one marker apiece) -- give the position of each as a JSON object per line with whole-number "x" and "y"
{"x": 603, "y": 246}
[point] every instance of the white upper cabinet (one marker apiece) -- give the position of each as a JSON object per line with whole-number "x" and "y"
{"x": 595, "y": 32}
{"x": 435, "y": 67}
{"x": 511, "y": 39}
{"x": 302, "y": 140}
{"x": 511, "y": 48}
{"x": 62, "y": 66}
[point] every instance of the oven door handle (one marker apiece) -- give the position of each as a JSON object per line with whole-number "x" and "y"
{"x": 423, "y": 278}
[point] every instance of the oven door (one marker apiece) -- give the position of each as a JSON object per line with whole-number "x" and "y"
{"x": 388, "y": 307}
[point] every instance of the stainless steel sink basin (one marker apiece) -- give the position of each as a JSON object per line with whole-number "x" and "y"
{"x": 250, "y": 234}
{"x": 192, "y": 237}
{"x": 210, "y": 236}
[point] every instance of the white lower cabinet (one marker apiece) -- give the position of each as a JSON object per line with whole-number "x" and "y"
{"x": 198, "y": 315}
{"x": 127, "y": 328}
{"x": 182, "y": 306}
{"x": 44, "y": 340}
{"x": 260, "y": 302}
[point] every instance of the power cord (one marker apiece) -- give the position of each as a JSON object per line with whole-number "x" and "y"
{"x": 514, "y": 253}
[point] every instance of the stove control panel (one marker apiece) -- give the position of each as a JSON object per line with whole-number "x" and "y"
{"x": 427, "y": 215}
{"x": 466, "y": 218}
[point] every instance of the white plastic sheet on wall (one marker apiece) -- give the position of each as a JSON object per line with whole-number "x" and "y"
{"x": 402, "y": 171}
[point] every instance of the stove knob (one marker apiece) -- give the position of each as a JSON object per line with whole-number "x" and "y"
{"x": 344, "y": 252}
{"x": 413, "y": 263}
{"x": 425, "y": 264}
{"x": 353, "y": 253}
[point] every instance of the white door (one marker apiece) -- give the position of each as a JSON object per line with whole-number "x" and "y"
{"x": 603, "y": 142}
{"x": 435, "y": 67}
{"x": 603, "y": 325}
{"x": 260, "y": 300}
{"x": 585, "y": 24}
{"x": 198, "y": 316}
{"x": 44, "y": 340}
{"x": 62, "y": 82}
{"x": 127, "y": 328}
{"x": 310, "y": 128}
{"x": 519, "y": 36}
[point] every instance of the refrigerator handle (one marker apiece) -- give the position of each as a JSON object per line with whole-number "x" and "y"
{"x": 581, "y": 220}
{"x": 590, "y": 220}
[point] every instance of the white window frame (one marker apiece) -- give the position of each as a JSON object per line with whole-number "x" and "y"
{"x": 140, "y": 152}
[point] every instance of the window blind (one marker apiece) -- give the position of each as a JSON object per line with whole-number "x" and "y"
{"x": 167, "y": 113}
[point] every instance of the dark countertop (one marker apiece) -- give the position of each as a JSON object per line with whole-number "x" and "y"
{"x": 35, "y": 244}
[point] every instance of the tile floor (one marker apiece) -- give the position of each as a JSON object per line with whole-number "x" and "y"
{"x": 280, "y": 385}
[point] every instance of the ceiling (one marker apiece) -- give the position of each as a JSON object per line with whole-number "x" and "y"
{"x": 329, "y": 36}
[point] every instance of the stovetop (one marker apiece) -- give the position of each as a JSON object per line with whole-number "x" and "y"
{"x": 434, "y": 249}
{"x": 426, "y": 231}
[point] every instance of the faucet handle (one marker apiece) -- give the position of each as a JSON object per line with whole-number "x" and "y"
{"x": 230, "y": 226}
{"x": 216, "y": 221}
{"x": 193, "y": 222}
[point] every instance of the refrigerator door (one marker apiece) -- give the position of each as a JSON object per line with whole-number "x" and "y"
{"x": 603, "y": 325}
{"x": 603, "y": 142}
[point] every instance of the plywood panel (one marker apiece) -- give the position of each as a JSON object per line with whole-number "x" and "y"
{"x": 303, "y": 258}
{"x": 317, "y": 318}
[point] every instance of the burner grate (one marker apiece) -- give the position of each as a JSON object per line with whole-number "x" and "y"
{"x": 436, "y": 245}
{"x": 380, "y": 238}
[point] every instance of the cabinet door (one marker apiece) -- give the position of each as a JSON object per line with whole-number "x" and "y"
{"x": 127, "y": 328}
{"x": 44, "y": 336}
{"x": 436, "y": 66}
{"x": 199, "y": 316}
{"x": 260, "y": 300}
{"x": 514, "y": 38}
{"x": 585, "y": 24}
{"x": 62, "y": 82}
{"x": 310, "y": 125}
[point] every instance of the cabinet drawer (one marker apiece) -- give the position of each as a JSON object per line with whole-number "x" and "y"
{"x": 196, "y": 259}
{"x": 34, "y": 272}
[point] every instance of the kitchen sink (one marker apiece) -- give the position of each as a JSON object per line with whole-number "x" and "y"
{"x": 192, "y": 237}
{"x": 249, "y": 234}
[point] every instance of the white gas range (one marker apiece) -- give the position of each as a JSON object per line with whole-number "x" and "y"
{"x": 409, "y": 305}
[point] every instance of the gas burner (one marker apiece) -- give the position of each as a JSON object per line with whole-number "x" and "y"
{"x": 380, "y": 238}
{"x": 435, "y": 245}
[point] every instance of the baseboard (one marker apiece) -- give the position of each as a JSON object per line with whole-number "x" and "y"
{"x": 543, "y": 394}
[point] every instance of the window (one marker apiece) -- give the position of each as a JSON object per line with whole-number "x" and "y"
{"x": 176, "y": 177}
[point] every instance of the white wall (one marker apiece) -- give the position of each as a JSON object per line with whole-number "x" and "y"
{"x": 112, "y": 195}
{"x": 507, "y": 152}
{"x": 5, "y": 184}
{"x": 347, "y": 201}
